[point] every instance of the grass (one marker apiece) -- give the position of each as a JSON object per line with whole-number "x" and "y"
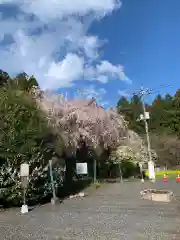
{"x": 170, "y": 174}
{"x": 97, "y": 185}
{"x": 92, "y": 187}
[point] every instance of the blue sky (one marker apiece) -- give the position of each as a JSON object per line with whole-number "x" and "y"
{"x": 103, "y": 48}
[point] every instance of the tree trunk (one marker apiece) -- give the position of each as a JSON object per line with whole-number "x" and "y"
{"x": 68, "y": 175}
{"x": 120, "y": 173}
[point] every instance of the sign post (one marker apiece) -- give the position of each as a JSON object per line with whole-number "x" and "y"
{"x": 81, "y": 168}
{"x": 142, "y": 178}
{"x": 24, "y": 173}
{"x": 53, "y": 199}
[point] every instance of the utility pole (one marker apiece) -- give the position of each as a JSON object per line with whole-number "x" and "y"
{"x": 151, "y": 169}
{"x": 142, "y": 92}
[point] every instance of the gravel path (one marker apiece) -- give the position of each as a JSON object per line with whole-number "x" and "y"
{"x": 112, "y": 212}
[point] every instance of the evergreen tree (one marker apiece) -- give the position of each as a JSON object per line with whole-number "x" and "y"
{"x": 173, "y": 118}
{"x": 123, "y": 104}
{"x": 131, "y": 111}
{"x": 168, "y": 102}
{"x": 124, "y": 108}
{"x": 164, "y": 114}
{"x": 4, "y": 78}
{"x": 21, "y": 81}
{"x": 157, "y": 114}
{"x": 136, "y": 108}
{"x": 32, "y": 82}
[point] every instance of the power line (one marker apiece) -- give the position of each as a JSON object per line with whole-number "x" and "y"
{"x": 148, "y": 90}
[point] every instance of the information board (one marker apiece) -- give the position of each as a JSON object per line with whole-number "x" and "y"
{"x": 81, "y": 168}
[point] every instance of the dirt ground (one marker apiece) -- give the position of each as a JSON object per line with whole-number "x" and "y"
{"x": 114, "y": 211}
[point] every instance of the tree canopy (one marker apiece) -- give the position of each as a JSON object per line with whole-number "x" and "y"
{"x": 164, "y": 113}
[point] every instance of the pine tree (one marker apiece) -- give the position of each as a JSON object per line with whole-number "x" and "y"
{"x": 131, "y": 111}
{"x": 157, "y": 114}
{"x": 32, "y": 82}
{"x": 4, "y": 77}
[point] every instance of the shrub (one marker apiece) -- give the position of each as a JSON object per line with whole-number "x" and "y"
{"x": 24, "y": 137}
{"x": 128, "y": 169}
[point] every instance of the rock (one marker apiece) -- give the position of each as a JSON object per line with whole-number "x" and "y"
{"x": 71, "y": 196}
{"x": 81, "y": 194}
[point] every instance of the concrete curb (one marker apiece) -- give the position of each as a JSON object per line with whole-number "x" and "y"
{"x": 157, "y": 195}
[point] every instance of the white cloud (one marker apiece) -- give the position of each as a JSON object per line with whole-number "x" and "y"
{"x": 54, "y": 45}
{"x": 46, "y": 9}
{"x": 102, "y": 78}
{"x": 105, "y": 71}
{"x": 117, "y": 71}
{"x": 92, "y": 92}
{"x": 124, "y": 93}
{"x": 70, "y": 68}
{"x": 90, "y": 45}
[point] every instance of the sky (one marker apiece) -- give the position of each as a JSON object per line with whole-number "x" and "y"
{"x": 103, "y": 49}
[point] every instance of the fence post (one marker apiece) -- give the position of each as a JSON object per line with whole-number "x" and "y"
{"x": 95, "y": 165}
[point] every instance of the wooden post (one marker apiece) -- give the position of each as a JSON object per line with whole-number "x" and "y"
{"x": 120, "y": 172}
{"x": 52, "y": 182}
{"x": 95, "y": 171}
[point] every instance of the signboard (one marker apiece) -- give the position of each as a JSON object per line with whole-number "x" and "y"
{"x": 24, "y": 170}
{"x": 147, "y": 115}
{"x": 144, "y": 116}
{"x": 81, "y": 168}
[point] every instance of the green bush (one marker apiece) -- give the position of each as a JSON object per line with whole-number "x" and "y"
{"x": 24, "y": 137}
{"x": 128, "y": 169}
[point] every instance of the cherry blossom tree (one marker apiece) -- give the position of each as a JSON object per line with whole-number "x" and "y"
{"x": 82, "y": 120}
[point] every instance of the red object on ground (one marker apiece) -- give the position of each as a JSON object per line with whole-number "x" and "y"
{"x": 178, "y": 178}
{"x": 165, "y": 179}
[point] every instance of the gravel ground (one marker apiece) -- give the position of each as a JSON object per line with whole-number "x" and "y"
{"x": 112, "y": 212}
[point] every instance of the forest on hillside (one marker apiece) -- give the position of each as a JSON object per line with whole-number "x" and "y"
{"x": 164, "y": 124}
